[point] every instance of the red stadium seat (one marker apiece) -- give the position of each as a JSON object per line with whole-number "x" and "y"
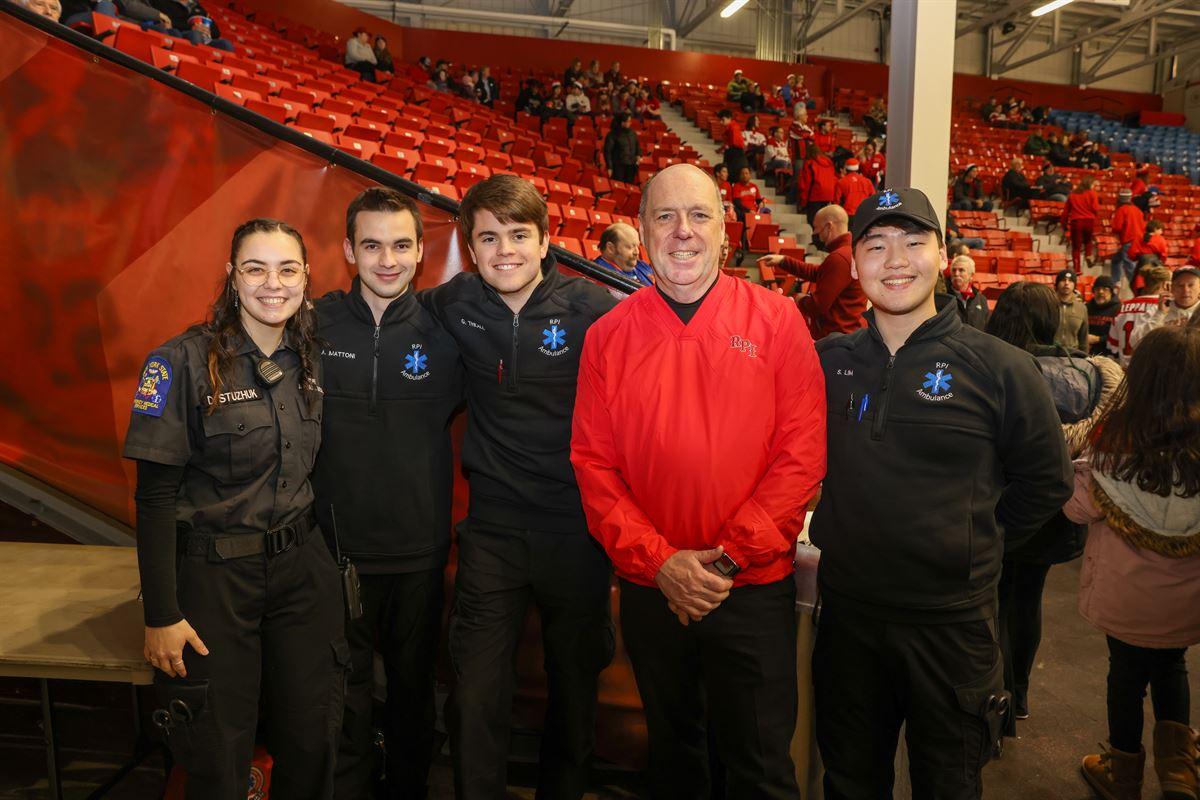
{"x": 393, "y": 164}
{"x": 236, "y": 95}
{"x": 576, "y": 224}
{"x": 202, "y": 76}
{"x": 268, "y": 110}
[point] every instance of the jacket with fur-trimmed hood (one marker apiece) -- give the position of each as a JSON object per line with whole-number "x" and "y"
{"x": 1140, "y": 581}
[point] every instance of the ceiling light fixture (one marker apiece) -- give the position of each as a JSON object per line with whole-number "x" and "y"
{"x": 1054, "y": 5}
{"x": 731, "y": 9}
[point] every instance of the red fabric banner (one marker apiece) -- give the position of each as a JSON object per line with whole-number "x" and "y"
{"x": 120, "y": 196}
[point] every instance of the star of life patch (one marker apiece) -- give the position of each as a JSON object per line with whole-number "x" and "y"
{"x": 150, "y": 398}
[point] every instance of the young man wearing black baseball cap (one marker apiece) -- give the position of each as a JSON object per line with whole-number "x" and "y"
{"x": 944, "y": 447}
{"x": 1072, "y": 323}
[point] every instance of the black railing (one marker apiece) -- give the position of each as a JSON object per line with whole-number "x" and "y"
{"x": 292, "y": 136}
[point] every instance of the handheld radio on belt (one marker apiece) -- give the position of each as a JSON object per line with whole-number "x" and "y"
{"x": 351, "y": 588}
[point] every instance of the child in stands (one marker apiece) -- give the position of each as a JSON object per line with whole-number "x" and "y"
{"x": 1140, "y": 584}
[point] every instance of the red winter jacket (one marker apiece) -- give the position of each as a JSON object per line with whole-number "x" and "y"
{"x": 836, "y": 302}
{"x": 818, "y": 181}
{"x": 874, "y": 167}
{"x": 698, "y": 435}
{"x": 1080, "y": 205}
{"x": 851, "y": 190}
{"x": 1129, "y": 225}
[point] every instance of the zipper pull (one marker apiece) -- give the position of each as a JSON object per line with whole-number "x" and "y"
{"x": 376, "y": 340}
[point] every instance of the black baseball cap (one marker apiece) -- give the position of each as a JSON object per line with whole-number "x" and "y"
{"x": 1064, "y": 275}
{"x": 911, "y": 204}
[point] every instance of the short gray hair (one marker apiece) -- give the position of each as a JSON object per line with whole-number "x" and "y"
{"x": 966, "y": 261}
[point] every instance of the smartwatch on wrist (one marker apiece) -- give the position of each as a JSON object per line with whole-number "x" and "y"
{"x": 727, "y": 566}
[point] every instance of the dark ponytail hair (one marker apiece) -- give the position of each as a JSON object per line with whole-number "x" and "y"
{"x": 224, "y": 325}
{"x": 1026, "y": 315}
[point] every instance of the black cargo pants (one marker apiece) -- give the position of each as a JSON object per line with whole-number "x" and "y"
{"x": 944, "y": 682}
{"x": 402, "y": 618}
{"x": 271, "y": 623}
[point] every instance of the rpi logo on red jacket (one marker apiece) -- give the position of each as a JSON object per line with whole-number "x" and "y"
{"x": 745, "y": 345}
{"x": 258, "y": 784}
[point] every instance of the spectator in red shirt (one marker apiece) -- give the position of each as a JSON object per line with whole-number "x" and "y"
{"x": 872, "y": 163}
{"x": 733, "y": 145}
{"x": 825, "y": 138}
{"x": 1154, "y": 249}
{"x": 721, "y": 174}
{"x": 817, "y": 183}
{"x": 1195, "y": 259}
{"x": 1129, "y": 226}
{"x": 800, "y": 132}
{"x": 836, "y": 302}
{"x": 1080, "y": 212}
{"x": 852, "y": 188}
{"x": 747, "y": 199}
{"x": 1138, "y": 184}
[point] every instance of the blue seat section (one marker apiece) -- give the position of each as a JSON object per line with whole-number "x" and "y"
{"x": 1175, "y": 149}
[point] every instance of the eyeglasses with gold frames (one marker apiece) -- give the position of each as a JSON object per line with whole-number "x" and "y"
{"x": 254, "y": 273}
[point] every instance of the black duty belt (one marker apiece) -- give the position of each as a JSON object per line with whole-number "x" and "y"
{"x": 273, "y": 542}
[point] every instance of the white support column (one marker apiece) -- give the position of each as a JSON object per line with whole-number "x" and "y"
{"x": 920, "y": 92}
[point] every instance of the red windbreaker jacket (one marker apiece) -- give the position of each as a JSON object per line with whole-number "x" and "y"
{"x": 692, "y": 436}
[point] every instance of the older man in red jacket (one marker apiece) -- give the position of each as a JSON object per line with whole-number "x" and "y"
{"x": 698, "y": 442}
{"x": 836, "y": 302}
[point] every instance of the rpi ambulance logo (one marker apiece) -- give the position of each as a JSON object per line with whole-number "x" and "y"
{"x": 888, "y": 200}
{"x": 936, "y": 387}
{"x": 416, "y": 365}
{"x": 554, "y": 340}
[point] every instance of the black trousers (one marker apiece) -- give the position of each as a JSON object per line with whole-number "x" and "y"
{"x": 735, "y": 669}
{"x": 1020, "y": 622}
{"x": 735, "y": 159}
{"x": 402, "y": 616}
{"x": 1130, "y": 669}
{"x": 871, "y": 676}
{"x": 500, "y": 571}
{"x": 269, "y": 622}
{"x": 625, "y": 172}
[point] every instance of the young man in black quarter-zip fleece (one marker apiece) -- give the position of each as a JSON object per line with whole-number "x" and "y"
{"x": 520, "y": 325}
{"x": 944, "y": 449}
{"x": 383, "y": 483}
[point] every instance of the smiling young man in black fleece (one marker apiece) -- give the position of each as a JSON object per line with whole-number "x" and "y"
{"x": 383, "y": 481}
{"x": 520, "y": 326}
{"x": 944, "y": 448}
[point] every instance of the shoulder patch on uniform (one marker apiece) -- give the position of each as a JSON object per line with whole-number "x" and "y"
{"x": 151, "y": 395}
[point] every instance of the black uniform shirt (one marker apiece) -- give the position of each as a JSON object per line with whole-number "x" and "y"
{"x": 386, "y": 469}
{"x": 246, "y": 465}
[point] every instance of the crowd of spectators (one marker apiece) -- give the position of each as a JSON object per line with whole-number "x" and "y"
{"x": 1012, "y": 113}
{"x": 185, "y": 19}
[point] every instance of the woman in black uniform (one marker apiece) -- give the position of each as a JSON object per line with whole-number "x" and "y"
{"x": 240, "y": 591}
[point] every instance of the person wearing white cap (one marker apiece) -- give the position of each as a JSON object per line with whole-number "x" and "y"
{"x": 738, "y": 86}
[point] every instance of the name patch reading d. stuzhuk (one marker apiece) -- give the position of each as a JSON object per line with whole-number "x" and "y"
{"x": 234, "y": 396}
{"x": 151, "y": 395}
